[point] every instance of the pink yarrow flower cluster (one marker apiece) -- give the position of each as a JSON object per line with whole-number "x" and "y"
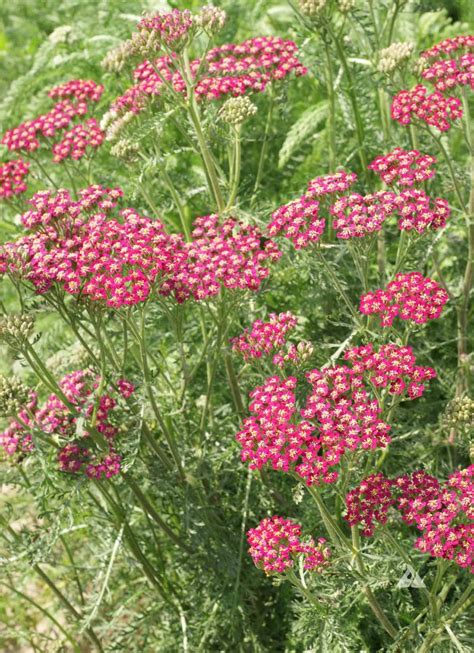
{"x": 77, "y": 140}
{"x": 80, "y": 247}
{"x": 12, "y": 178}
{"x": 81, "y": 89}
{"x": 391, "y": 367}
{"x": 331, "y": 184}
{"x": 229, "y": 254}
{"x": 356, "y": 216}
{"x": 443, "y": 512}
{"x": 409, "y": 296}
{"x": 339, "y": 413}
{"x": 122, "y": 260}
{"x": 369, "y": 503}
{"x": 403, "y": 167}
{"x": 450, "y": 45}
{"x": 75, "y": 96}
{"x": 435, "y": 109}
{"x": 230, "y": 69}
{"x": 418, "y": 211}
{"x": 447, "y": 73}
{"x": 264, "y": 337}
{"x": 300, "y": 220}
{"x": 276, "y": 544}
{"x": 58, "y": 417}
{"x": 171, "y": 26}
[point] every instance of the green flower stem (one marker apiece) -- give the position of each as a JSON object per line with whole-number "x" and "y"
{"x": 234, "y": 385}
{"x": 45, "y": 173}
{"x": 374, "y": 604}
{"x": 57, "y": 592}
{"x": 294, "y": 580}
{"x": 151, "y": 510}
{"x": 133, "y": 544}
{"x": 468, "y": 280}
{"x": 353, "y": 547}
{"x": 195, "y": 119}
{"x": 263, "y": 151}
{"x": 331, "y": 119}
{"x": 354, "y": 103}
{"x": 461, "y": 605}
{"x": 332, "y": 527}
{"x": 337, "y": 284}
{"x": 237, "y": 159}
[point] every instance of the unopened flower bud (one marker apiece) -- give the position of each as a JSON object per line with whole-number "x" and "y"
{"x": 312, "y": 8}
{"x": 115, "y": 60}
{"x": 117, "y": 124}
{"x": 16, "y": 327}
{"x": 394, "y": 56}
{"x": 13, "y": 396}
{"x": 305, "y": 350}
{"x": 236, "y": 110}
{"x": 211, "y": 19}
{"x": 125, "y": 149}
{"x": 345, "y": 6}
{"x": 459, "y": 414}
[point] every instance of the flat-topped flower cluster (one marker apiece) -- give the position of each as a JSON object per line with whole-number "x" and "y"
{"x": 122, "y": 259}
{"x": 443, "y": 512}
{"x": 74, "y": 99}
{"x": 276, "y": 545}
{"x": 303, "y": 221}
{"x": 308, "y": 435}
{"x": 230, "y": 69}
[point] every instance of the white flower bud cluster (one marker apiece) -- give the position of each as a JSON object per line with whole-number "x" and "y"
{"x": 125, "y": 149}
{"x": 16, "y": 327}
{"x": 459, "y": 414}
{"x": 236, "y": 110}
{"x": 312, "y": 8}
{"x": 113, "y": 123}
{"x": 345, "y": 6}
{"x": 13, "y": 396}
{"x": 394, "y": 56}
{"x": 115, "y": 60}
{"x": 211, "y": 19}
{"x": 305, "y": 350}
{"x": 74, "y": 357}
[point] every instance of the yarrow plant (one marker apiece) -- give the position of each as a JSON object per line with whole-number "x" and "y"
{"x": 230, "y": 244}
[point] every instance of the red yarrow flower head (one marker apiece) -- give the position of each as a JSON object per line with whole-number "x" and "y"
{"x": 12, "y": 178}
{"x": 299, "y": 221}
{"x": 264, "y": 337}
{"x": 356, "y": 216}
{"x": 231, "y": 69}
{"x": 410, "y": 296}
{"x": 171, "y": 27}
{"x": 419, "y": 212}
{"x": 80, "y": 89}
{"x": 403, "y": 167}
{"x": 78, "y": 140}
{"x": 464, "y": 43}
{"x": 331, "y": 184}
{"x": 434, "y": 109}
{"x": 59, "y": 417}
{"x": 227, "y": 254}
{"x": 276, "y": 544}
{"x": 370, "y": 503}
